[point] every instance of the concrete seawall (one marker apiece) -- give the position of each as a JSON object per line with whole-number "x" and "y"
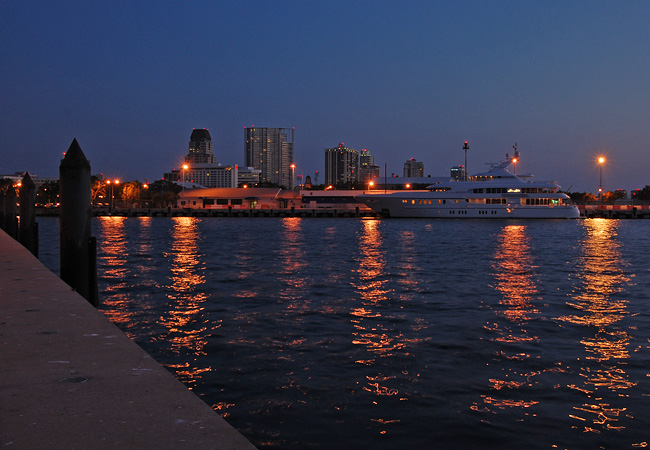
{"x": 70, "y": 379}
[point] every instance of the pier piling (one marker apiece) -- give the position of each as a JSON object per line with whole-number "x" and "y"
{"x": 77, "y": 269}
{"x": 10, "y": 211}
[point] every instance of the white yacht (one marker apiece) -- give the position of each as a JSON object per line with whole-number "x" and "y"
{"x": 495, "y": 194}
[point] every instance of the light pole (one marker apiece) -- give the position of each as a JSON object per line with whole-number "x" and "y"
{"x": 466, "y": 147}
{"x": 110, "y": 196}
{"x": 293, "y": 170}
{"x": 601, "y": 161}
{"x": 111, "y": 199}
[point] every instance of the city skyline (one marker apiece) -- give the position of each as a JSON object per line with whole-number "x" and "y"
{"x": 566, "y": 82}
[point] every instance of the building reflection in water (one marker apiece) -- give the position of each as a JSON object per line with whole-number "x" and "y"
{"x": 515, "y": 280}
{"x": 112, "y": 250}
{"x": 184, "y": 320}
{"x": 598, "y": 310}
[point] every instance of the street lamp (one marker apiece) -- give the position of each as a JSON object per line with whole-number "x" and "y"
{"x": 110, "y": 196}
{"x": 293, "y": 170}
{"x": 466, "y": 147}
{"x": 601, "y": 161}
{"x": 111, "y": 200}
{"x": 370, "y": 185}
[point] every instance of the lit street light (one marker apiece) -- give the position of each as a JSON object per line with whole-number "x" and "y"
{"x": 111, "y": 200}
{"x": 601, "y": 161}
{"x": 185, "y": 167}
{"x": 293, "y": 170}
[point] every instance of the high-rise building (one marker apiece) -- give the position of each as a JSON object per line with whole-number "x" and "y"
{"x": 413, "y": 168}
{"x": 341, "y": 165}
{"x": 200, "y": 148}
{"x": 366, "y": 159}
{"x": 271, "y": 151}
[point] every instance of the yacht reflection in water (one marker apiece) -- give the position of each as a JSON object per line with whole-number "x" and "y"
{"x": 515, "y": 280}
{"x": 598, "y": 309}
{"x": 184, "y": 320}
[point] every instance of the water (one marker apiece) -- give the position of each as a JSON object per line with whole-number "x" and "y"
{"x": 385, "y": 334}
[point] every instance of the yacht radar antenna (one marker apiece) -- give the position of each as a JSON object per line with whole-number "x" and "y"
{"x": 466, "y": 147}
{"x": 515, "y": 158}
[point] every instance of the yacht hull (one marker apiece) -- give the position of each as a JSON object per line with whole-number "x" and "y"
{"x": 462, "y": 209}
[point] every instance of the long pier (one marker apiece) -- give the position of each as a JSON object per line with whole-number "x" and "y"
{"x": 70, "y": 379}
{"x": 586, "y": 211}
{"x": 223, "y": 212}
{"x": 615, "y": 211}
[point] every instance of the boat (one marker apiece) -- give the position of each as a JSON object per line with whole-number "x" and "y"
{"x": 495, "y": 194}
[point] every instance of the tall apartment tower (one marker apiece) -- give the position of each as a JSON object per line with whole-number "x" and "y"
{"x": 341, "y": 165}
{"x": 413, "y": 168}
{"x": 200, "y": 148}
{"x": 271, "y": 151}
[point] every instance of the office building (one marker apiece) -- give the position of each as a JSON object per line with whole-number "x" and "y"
{"x": 200, "y": 148}
{"x": 413, "y": 168}
{"x": 248, "y": 176}
{"x": 341, "y": 165}
{"x": 271, "y": 151}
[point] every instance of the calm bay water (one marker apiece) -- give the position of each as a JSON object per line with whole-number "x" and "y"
{"x": 386, "y": 334}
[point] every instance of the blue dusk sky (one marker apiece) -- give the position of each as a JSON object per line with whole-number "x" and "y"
{"x": 566, "y": 80}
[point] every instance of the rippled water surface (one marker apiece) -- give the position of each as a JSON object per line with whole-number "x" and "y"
{"x": 386, "y": 334}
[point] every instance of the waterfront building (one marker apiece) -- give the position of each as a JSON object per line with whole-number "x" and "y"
{"x": 341, "y": 165}
{"x": 413, "y": 168}
{"x": 271, "y": 151}
{"x": 235, "y": 200}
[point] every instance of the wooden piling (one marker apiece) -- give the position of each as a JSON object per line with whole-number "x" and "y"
{"x": 28, "y": 232}
{"x": 11, "y": 210}
{"x": 76, "y": 254}
{"x": 2, "y": 208}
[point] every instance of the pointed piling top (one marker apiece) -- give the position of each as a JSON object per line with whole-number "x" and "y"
{"x": 27, "y": 181}
{"x": 75, "y": 158}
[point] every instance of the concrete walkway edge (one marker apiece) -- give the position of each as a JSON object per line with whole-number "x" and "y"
{"x": 70, "y": 379}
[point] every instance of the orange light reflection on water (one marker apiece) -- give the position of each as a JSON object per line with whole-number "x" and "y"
{"x": 372, "y": 328}
{"x": 184, "y": 321}
{"x": 598, "y": 309}
{"x": 514, "y": 273}
{"x": 114, "y": 251}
